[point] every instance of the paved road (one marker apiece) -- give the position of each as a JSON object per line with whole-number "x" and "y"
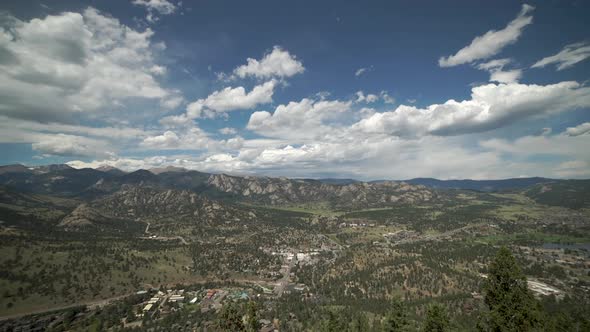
{"x": 285, "y": 270}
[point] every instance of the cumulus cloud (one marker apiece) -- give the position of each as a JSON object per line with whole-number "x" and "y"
{"x": 388, "y": 157}
{"x": 155, "y": 7}
{"x": 171, "y": 102}
{"x": 566, "y": 58}
{"x": 228, "y": 131}
{"x": 497, "y": 72}
{"x": 491, "y": 106}
{"x": 278, "y": 63}
{"x": 73, "y": 62}
{"x": 168, "y": 139}
{"x": 492, "y": 42}
{"x": 231, "y": 99}
{"x": 369, "y": 98}
{"x": 24, "y": 131}
{"x": 71, "y": 145}
{"x": 172, "y": 121}
{"x": 190, "y": 138}
{"x": 582, "y": 129}
{"x": 296, "y": 119}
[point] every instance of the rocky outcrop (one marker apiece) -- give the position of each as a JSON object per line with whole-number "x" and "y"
{"x": 284, "y": 191}
{"x": 140, "y": 203}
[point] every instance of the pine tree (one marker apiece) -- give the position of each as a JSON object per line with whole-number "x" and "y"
{"x": 512, "y": 306}
{"x": 437, "y": 319}
{"x": 360, "y": 322}
{"x": 397, "y": 317}
{"x": 252, "y": 324}
{"x": 333, "y": 323}
{"x": 230, "y": 318}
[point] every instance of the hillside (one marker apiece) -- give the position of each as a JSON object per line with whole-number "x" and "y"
{"x": 573, "y": 194}
{"x": 479, "y": 185}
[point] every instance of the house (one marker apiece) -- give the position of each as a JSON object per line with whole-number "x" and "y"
{"x": 148, "y": 307}
{"x": 176, "y": 298}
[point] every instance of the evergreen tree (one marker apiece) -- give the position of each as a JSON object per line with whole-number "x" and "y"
{"x": 360, "y": 323}
{"x": 252, "y": 324}
{"x": 512, "y": 306}
{"x": 333, "y": 323}
{"x": 397, "y": 317}
{"x": 230, "y": 318}
{"x": 437, "y": 319}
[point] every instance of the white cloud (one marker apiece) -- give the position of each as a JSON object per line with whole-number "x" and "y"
{"x": 163, "y": 7}
{"x": 296, "y": 119}
{"x": 190, "y": 138}
{"x": 230, "y": 99}
{"x": 71, "y": 145}
{"x": 168, "y": 139}
{"x": 569, "y": 56}
{"x": 492, "y": 42}
{"x": 497, "y": 72}
{"x": 24, "y": 131}
{"x": 491, "y": 106}
{"x": 390, "y": 158}
{"x": 228, "y": 131}
{"x": 158, "y": 70}
{"x": 154, "y": 7}
{"x": 582, "y": 129}
{"x": 506, "y": 76}
{"x": 360, "y": 71}
{"x": 171, "y": 102}
{"x": 370, "y": 98}
{"x": 73, "y": 63}
{"x": 278, "y": 63}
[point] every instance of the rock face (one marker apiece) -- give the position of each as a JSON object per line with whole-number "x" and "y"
{"x": 90, "y": 184}
{"x": 284, "y": 191}
{"x": 142, "y": 203}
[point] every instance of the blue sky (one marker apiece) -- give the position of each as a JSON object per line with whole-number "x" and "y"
{"x": 339, "y": 89}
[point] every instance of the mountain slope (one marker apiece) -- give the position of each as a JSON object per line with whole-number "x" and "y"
{"x": 287, "y": 191}
{"x": 573, "y": 194}
{"x": 480, "y": 185}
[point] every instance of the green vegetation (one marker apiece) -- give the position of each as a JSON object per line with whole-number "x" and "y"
{"x": 511, "y": 304}
{"x": 306, "y": 260}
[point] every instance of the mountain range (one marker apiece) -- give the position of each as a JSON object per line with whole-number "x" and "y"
{"x": 112, "y": 200}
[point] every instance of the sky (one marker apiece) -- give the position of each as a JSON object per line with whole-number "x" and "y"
{"x": 365, "y": 90}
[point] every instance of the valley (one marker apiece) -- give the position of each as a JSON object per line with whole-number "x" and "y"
{"x": 102, "y": 243}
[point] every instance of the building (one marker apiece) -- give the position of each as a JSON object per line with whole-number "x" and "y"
{"x": 176, "y": 298}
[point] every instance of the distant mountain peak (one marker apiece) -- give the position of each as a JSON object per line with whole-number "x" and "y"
{"x": 110, "y": 169}
{"x": 15, "y": 168}
{"x": 159, "y": 170}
